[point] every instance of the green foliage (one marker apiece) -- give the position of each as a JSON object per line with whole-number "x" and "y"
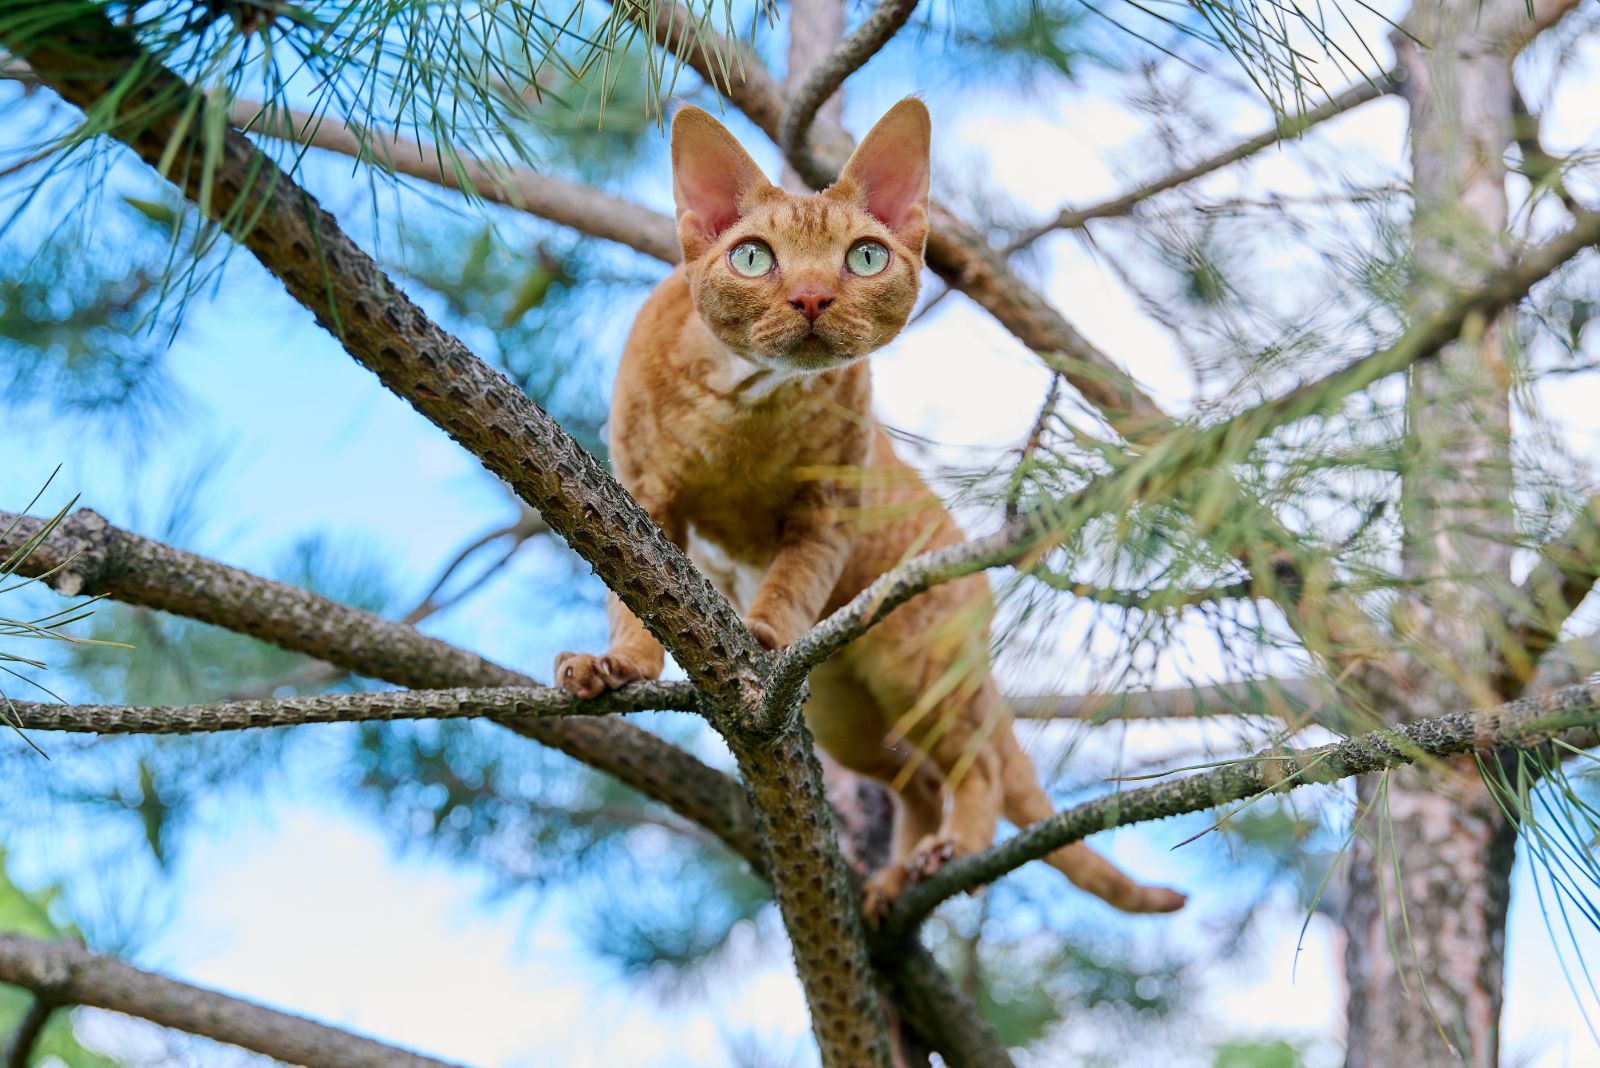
{"x": 1278, "y": 1054}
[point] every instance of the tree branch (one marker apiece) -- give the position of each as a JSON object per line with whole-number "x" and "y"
{"x": 1185, "y": 449}
{"x": 101, "y": 69}
{"x": 87, "y": 555}
{"x": 827, "y": 76}
{"x": 1523, "y": 724}
{"x": 957, "y": 252}
{"x": 1291, "y": 126}
{"x": 19, "y": 1050}
{"x": 572, "y": 204}
{"x": 1562, "y": 577}
{"x": 501, "y": 703}
{"x": 1291, "y": 700}
{"x": 64, "y": 973}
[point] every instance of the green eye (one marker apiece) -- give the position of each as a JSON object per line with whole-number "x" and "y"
{"x": 866, "y": 258}
{"x": 751, "y": 259}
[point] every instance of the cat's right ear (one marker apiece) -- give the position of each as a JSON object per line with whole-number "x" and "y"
{"x": 712, "y": 179}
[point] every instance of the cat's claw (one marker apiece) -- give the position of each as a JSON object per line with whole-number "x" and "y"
{"x": 583, "y": 675}
{"x": 929, "y": 856}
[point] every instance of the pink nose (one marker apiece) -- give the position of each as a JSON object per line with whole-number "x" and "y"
{"x": 810, "y": 304}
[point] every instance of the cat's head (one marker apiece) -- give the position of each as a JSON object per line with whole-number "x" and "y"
{"x": 803, "y": 283}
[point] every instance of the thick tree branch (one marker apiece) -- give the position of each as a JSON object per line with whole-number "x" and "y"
{"x": 502, "y": 703}
{"x": 1524, "y": 724}
{"x": 87, "y": 555}
{"x": 65, "y": 973}
{"x": 1290, "y": 127}
{"x": 581, "y": 207}
{"x": 96, "y": 66}
{"x": 99, "y": 68}
{"x": 826, "y": 77}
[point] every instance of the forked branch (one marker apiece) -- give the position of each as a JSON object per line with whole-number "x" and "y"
{"x": 827, "y": 76}
{"x": 87, "y": 555}
{"x": 1167, "y": 462}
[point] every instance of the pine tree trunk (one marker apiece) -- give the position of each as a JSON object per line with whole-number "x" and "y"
{"x": 1430, "y": 873}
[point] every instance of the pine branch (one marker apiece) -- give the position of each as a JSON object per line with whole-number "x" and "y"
{"x": 67, "y": 974}
{"x": 584, "y": 209}
{"x": 89, "y": 62}
{"x": 93, "y": 64}
{"x": 1290, "y": 127}
{"x": 1572, "y": 714}
{"x": 826, "y": 77}
{"x": 1165, "y": 463}
{"x": 87, "y": 555}
{"x": 502, "y": 703}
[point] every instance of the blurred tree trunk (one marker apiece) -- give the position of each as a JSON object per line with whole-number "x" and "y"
{"x": 1430, "y": 872}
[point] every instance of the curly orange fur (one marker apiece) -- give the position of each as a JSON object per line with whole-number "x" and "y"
{"x": 742, "y": 421}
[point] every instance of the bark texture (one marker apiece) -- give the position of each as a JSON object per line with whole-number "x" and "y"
{"x": 91, "y": 63}
{"x": 87, "y": 555}
{"x": 1429, "y": 878}
{"x": 67, "y": 974}
{"x": 1571, "y": 715}
{"x": 506, "y": 703}
{"x": 85, "y": 60}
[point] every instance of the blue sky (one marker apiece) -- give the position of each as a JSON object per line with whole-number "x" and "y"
{"x": 298, "y": 900}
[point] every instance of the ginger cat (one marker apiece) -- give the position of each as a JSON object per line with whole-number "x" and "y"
{"x": 742, "y": 389}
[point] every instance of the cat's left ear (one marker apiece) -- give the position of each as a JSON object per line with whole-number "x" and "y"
{"x": 713, "y": 178}
{"x": 889, "y": 171}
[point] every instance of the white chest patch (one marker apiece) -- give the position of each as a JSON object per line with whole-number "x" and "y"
{"x": 747, "y": 380}
{"x": 737, "y": 581}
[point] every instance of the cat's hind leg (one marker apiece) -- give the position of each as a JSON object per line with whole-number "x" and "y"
{"x": 1027, "y": 803}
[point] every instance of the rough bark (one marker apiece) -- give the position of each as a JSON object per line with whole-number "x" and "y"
{"x": 1571, "y": 715}
{"x": 1429, "y": 877}
{"x": 68, "y": 974}
{"x": 87, "y": 61}
{"x": 510, "y": 703}
{"x": 87, "y": 555}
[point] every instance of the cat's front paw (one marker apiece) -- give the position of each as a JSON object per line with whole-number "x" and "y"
{"x": 590, "y": 676}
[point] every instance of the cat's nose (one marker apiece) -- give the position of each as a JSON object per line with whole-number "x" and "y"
{"x": 810, "y": 303}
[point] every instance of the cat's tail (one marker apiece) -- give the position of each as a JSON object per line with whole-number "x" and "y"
{"x": 1027, "y": 803}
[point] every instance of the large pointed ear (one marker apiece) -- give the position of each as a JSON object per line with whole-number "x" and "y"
{"x": 712, "y": 179}
{"x": 888, "y": 174}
